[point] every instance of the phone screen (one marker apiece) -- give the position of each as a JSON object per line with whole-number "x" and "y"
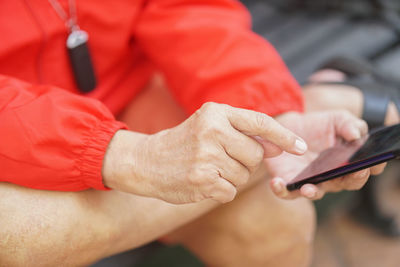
{"x": 345, "y": 157}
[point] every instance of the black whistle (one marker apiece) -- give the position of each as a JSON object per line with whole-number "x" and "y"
{"x": 81, "y": 61}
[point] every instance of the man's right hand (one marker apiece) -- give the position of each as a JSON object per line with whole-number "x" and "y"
{"x": 205, "y": 157}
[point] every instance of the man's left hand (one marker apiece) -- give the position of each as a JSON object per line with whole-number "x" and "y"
{"x": 319, "y": 130}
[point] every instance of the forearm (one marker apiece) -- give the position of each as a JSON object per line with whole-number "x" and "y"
{"x": 56, "y": 228}
{"x": 53, "y": 228}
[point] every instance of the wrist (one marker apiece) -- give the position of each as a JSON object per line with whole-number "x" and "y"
{"x": 119, "y": 159}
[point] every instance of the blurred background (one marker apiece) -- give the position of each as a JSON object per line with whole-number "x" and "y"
{"x": 358, "y": 228}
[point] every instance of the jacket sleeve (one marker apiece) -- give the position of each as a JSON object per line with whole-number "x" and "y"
{"x": 52, "y": 139}
{"x": 207, "y": 52}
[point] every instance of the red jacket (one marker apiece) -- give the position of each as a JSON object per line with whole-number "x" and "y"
{"x": 52, "y": 137}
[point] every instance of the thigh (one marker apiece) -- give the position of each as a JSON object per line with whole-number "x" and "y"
{"x": 153, "y": 109}
{"x": 256, "y": 229}
{"x": 255, "y": 220}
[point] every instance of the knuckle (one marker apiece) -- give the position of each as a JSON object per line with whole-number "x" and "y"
{"x": 214, "y": 131}
{"x": 211, "y": 131}
{"x": 198, "y": 113}
{"x": 205, "y": 178}
{"x": 200, "y": 120}
{"x": 254, "y": 162}
{"x": 258, "y": 154}
{"x": 197, "y": 197}
{"x": 206, "y": 155}
{"x": 288, "y": 140}
{"x": 230, "y": 194}
{"x": 210, "y": 121}
{"x": 206, "y": 127}
{"x": 203, "y": 113}
{"x": 223, "y": 192}
{"x": 219, "y": 198}
{"x": 196, "y": 177}
{"x": 262, "y": 121}
{"x": 209, "y": 107}
{"x": 226, "y": 197}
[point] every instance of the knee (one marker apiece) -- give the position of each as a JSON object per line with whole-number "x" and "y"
{"x": 297, "y": 234}
{"x": 282, "y": 238}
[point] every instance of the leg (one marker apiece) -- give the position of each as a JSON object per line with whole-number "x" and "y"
{"x": 54, "y": 228}
{"x": 257, "y": 229}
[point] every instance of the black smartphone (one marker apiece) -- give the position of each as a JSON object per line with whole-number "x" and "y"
{"x": 378, "y": 146}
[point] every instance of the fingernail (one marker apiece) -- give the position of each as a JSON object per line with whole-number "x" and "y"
{"x": 301, "y": 146}
{"x": 278, "y": 187}
{"x": 309, "y": 192}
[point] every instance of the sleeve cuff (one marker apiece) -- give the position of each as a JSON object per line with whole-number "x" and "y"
{"x": 90, "y": 163}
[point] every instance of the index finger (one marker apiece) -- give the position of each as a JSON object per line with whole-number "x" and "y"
{"x": 259, "y": 124}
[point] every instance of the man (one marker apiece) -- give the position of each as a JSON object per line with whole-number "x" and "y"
{"x": 57, "y": 140}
